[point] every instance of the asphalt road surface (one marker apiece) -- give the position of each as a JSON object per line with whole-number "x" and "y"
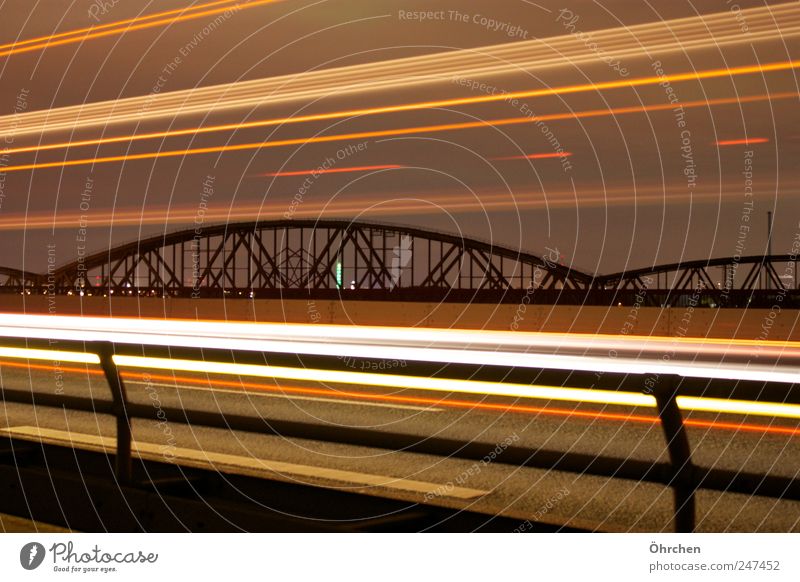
{"x": 753, "y": 444}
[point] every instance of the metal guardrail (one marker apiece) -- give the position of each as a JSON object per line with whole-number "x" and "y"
{"x": 680, "y": 473}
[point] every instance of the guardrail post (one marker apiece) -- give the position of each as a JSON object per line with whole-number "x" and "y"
{"x": 123, "y": 468}
{"x": 682, "y": 478}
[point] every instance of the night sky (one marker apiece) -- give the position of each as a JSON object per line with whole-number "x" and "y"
{"x": 621, "y": 198}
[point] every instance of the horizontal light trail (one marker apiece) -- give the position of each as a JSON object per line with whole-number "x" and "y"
{"x": 467, "y": 404}
{"x": 126, "y": 26}
{"x": 582, "y": 395}
{"x": 391, "y": 381}
{"x": 711, "y": 31}
{"x": 732, "y": 360}
{"x": 319, "y": 171}
{"x": 416, "y": 402}
{"x": 746, "y": 427}
{"x": 368, "y": 111}
{"x": 725, "y": 406}
{"x": 368, "y": 206}
{"x": 52, "y": 355}
{"x": 214, "y": 333}
{"x": 535, "y": 156}
{"x": 115, "y": 329}
{"x": 52, "y": 368}
{"x": 350, "y": 169}
{"x": 117, "y": 23}
{"x": 447, "y": 127}
{"x": 746, "y": 141}
{"x": 436, "y": 404}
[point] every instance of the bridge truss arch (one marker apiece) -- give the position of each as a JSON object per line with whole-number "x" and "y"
{"x": 14, "y": 279}
{"x": 360, "y": 260}
{"x": 738, "y": 281}
{"x": 322, "y": 258}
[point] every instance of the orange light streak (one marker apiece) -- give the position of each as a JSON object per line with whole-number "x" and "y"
{"x": 422, "y": 202}
{"x": 88, "y": 33}
{"x": 395, "y": 132}
{"x": 404, "y": 107}
{"x": 516, "y": 408}
{"x": 560, "y": 51}
{"x": 417, "y": 400}
{"x": 536, "y": 156}
{"x": 745, "y": 141}
{"x": 115, "y": 24}
{"x": 319, "y": 171}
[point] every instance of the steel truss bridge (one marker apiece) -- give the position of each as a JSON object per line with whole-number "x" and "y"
{"x": 370, "y": 261}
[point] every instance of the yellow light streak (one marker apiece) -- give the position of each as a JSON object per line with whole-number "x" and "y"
{"x": 706, "y": 31}
{"x": 89, "y": 34}
{"x": 395, "y": 132}
{"x": 725, "y": 406}
{"x": 582, "y": 395}
{"x": 391, "y": 381}
{"x": 114, "y": 24}
{"x": 51, "y": 355}
{"x": 406, "y": 107}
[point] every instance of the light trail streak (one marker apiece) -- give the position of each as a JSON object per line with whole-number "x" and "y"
{"x": 443, "y": 402}
{"x": 468, "y": 404}
{"x": 449, "y": 385}
{"x": 365, "y": 206}
{"x": 113, "y": 24}
{"x": 73, "y": 327}
{"x": 535, "y": 156}
{"x": 566, "y": 51}
{"x": 399, "y": 132}
{"x": 350, "y": 169}
{"x": 59, "y": 355}
{"x": 319, "y": 171}
{"x": 745, "y": 141}
{"x": 636, "y": 356}
{"x": 362, "y": 112}
{"x": 125, "y": 26}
